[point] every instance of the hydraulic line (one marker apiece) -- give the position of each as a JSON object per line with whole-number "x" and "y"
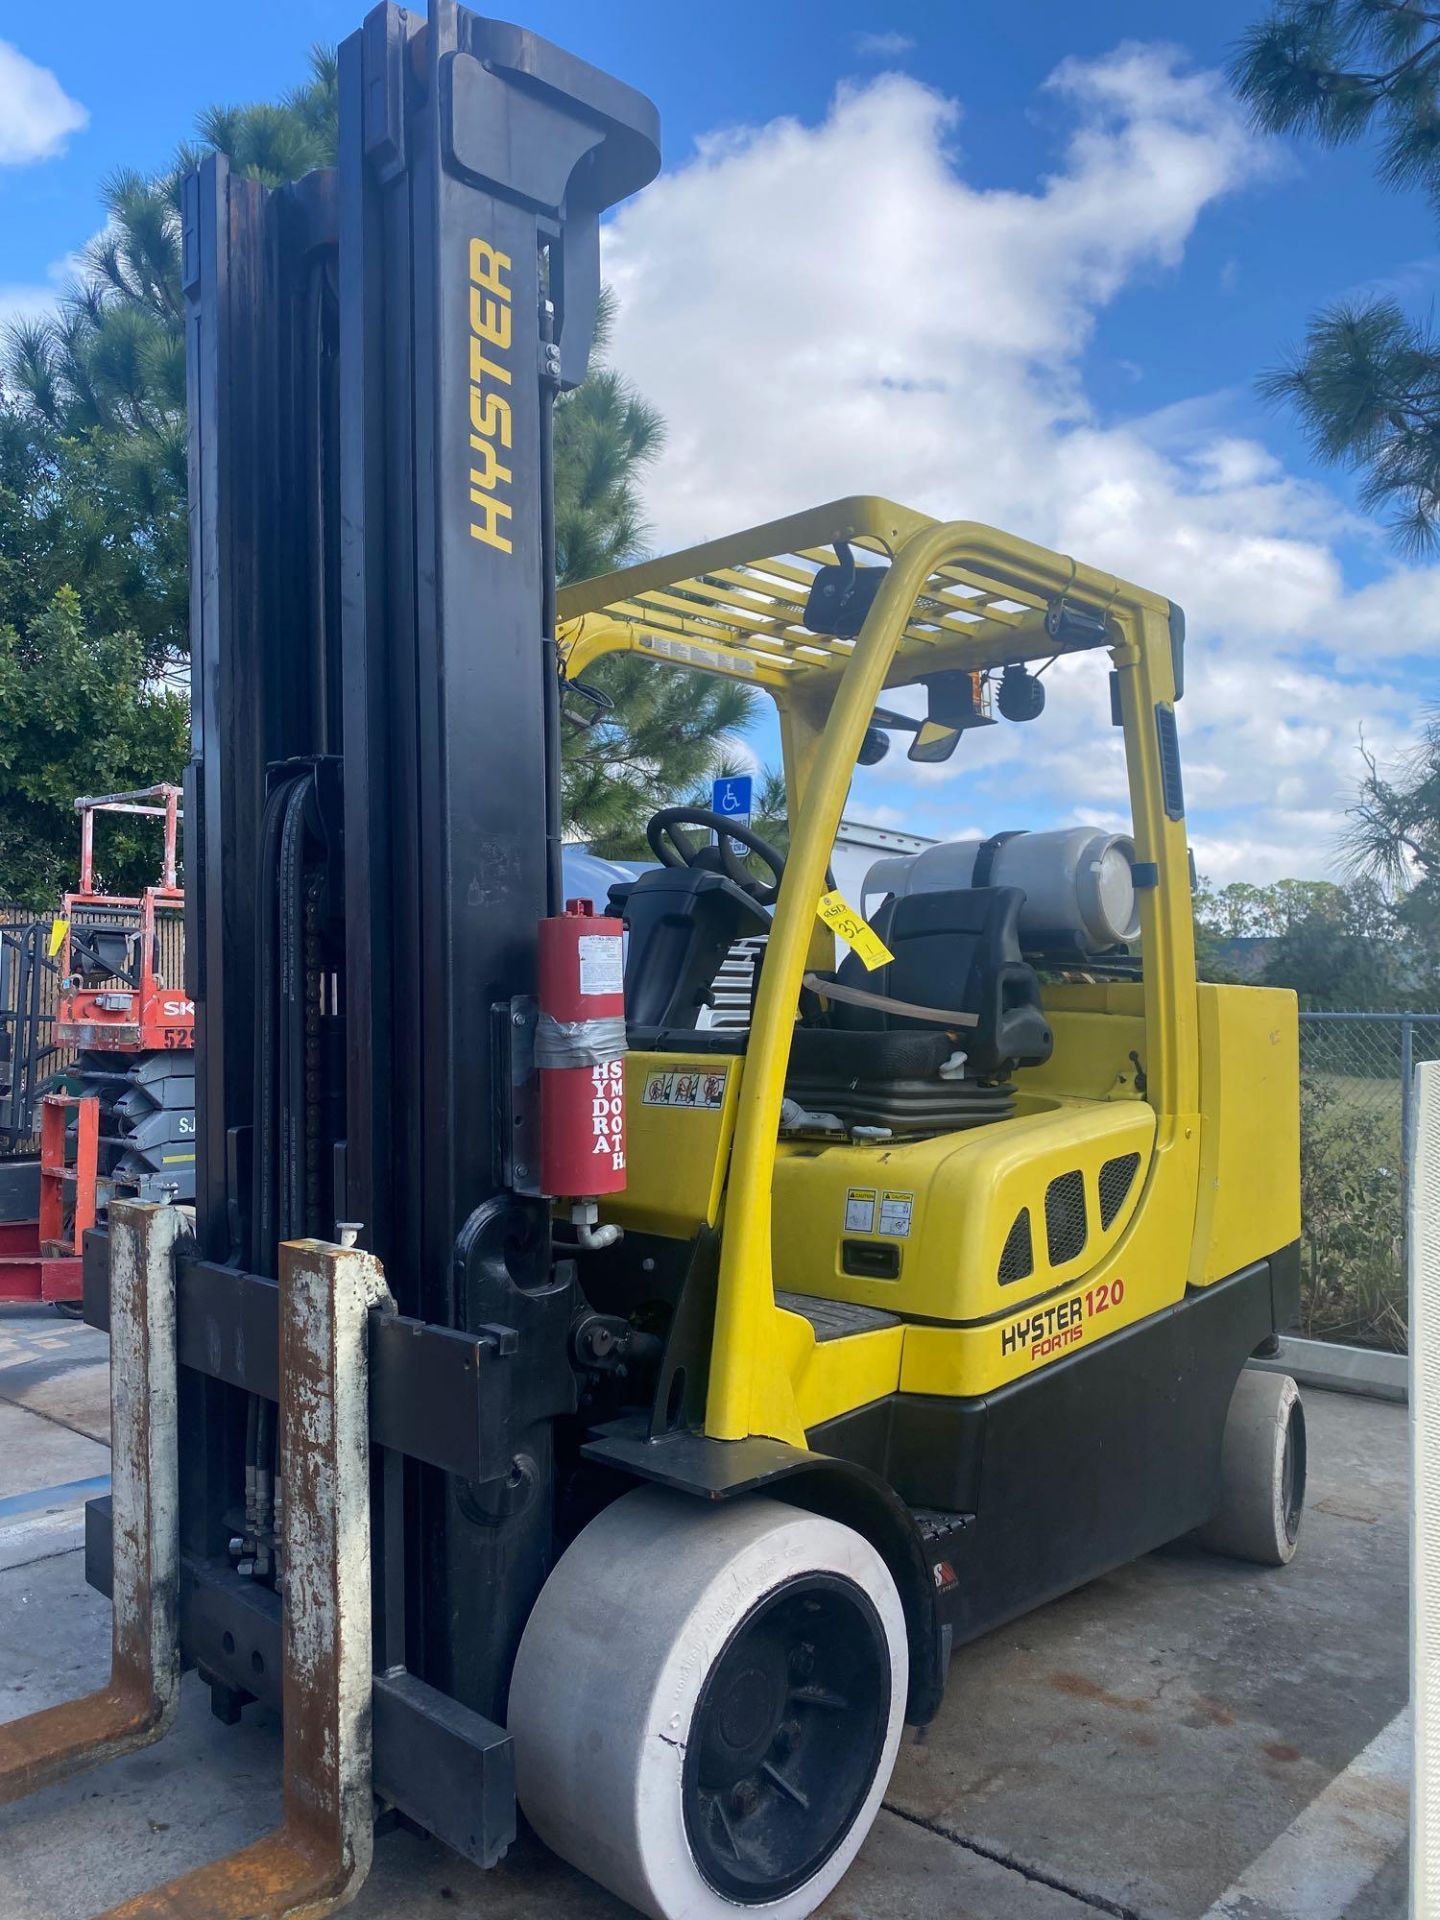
{"x": 292, "y": 1012}
{"x": 279, "y": 1211}
{"x": 265, "y": 1211}
{"x": 549, "y": 658}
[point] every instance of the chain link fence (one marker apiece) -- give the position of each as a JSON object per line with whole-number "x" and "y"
{"x": 1357, "y": 1122}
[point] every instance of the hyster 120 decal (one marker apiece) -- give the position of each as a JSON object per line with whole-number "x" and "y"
{"x": 1050, "y": 1329}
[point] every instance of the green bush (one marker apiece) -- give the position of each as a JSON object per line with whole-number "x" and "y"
{"x": 1352, "y": 1207}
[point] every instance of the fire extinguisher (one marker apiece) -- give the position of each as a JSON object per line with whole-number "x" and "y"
{"x": 580, "y": 1055}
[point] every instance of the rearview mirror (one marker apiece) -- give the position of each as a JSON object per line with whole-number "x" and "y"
{"x": 956, "y": 703}
{"x": 933, "y": 742}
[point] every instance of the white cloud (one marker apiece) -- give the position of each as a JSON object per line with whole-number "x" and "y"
{"x": 37, "y": 116}
{"x": 833, "y": 308}
{"x": 39, "y": 300}
{"x": 882, "y": 46}
{"x": 21, "y": 302}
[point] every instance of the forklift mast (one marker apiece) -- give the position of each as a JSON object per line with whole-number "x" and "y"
{"x": 373, "y": 357}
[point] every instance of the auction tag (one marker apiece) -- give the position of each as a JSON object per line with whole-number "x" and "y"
{"x": 58, "y": 931}
{"x": 841, "y": 918}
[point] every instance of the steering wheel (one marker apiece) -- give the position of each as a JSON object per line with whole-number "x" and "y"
{"x": 672, "y": 848}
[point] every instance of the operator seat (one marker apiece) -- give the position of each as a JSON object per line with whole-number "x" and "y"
{"x": 102, "y": 952}
{"x": 957, "y": 950}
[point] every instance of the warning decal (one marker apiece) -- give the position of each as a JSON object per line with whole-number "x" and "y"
{"x": 602, "y": 963}
{"x": 895, "y": 1212}
{"x": 706, "y": 1090}
{"x": 860, "y": 1210}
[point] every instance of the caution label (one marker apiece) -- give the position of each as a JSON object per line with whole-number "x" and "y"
{"x": 896, "y": 1210}
{"x": 860, "y": 1204}
{"x": 710, "y": 659}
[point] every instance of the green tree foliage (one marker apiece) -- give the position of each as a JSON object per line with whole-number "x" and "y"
{"x": 78, "y": 714}
{"x": 1338, "y": 947}
{"x": 1243, "y": 911}
{"x": 1366, "y": 382}
{"x": 1394, "y": 833}
{"x": 95, "y": 416}
{"x": 1346, "y": 951}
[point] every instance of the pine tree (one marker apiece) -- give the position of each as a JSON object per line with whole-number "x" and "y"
{"x": 1366, "y": 382}
{"x": 1394, "y": 835}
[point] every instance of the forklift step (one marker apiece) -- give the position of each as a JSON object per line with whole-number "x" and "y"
{"x": 835, "y": 1319}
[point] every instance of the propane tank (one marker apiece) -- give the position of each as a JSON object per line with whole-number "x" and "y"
{"x": 1078, "y": 882}
{"x": 580, "y": 1055}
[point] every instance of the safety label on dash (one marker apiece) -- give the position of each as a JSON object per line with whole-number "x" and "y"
{"x": 860, "y": 1210}
{"x": 895, "y": 1212}
{"x": 706, "y": 1090}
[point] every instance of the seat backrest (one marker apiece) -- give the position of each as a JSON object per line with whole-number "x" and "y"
{"x": 681, "y": 923}
{"x": 103, "y": 952}
{"x": 959, "y": 950}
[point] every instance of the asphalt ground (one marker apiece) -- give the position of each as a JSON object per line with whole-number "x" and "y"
{"x": 1189, "y": 1738}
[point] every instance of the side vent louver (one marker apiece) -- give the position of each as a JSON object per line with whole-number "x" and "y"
{"x": 1017, "y": 1258}
{"x": 1065, "y": 1224}
{"x": 1117, "y": 1176}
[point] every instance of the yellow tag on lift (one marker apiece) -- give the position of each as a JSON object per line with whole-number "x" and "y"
{"x": 837, "y": 913}
{"x": 58, "y": 931}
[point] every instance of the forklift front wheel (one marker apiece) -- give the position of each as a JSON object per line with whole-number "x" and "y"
{"x": 1262, "y": 1472}
{"x": 707, "y": 1703}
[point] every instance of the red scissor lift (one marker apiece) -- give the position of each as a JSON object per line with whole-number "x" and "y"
{"x": 121, "y": 1018}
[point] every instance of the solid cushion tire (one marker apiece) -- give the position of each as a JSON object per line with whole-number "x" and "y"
{"x": 1262, "y": 1472}
{"x": 614, "y": 1659}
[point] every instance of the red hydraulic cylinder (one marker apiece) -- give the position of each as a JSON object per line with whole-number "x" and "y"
{"x": 579, "y": 1051}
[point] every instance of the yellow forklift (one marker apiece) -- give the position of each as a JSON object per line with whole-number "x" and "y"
{"x": 556, "y": 1400}
{"x": 986, "y": 1219}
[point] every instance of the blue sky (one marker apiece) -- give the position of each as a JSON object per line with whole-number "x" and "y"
{"x": 1156, "y": 257}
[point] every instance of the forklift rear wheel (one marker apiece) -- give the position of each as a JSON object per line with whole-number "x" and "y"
{"x": 1262, "y": 1472}
{"x": 707, "y": 1703}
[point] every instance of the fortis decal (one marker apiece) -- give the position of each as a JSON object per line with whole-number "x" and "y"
{"x": 1049, "y": 1329}
{"x": 491, "y": 421}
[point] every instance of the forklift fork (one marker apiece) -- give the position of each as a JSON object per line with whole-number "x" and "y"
{"x": 137, "y": 1704}
{"x": 316, "y": 1860}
